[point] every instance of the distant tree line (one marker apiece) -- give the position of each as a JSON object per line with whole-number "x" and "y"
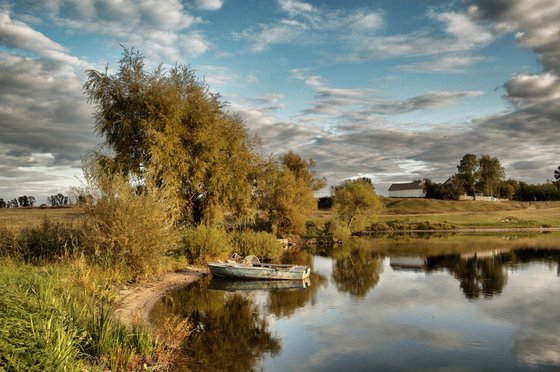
{"x": 21, "y": 201}
{"x": 485, "y": 175}
{"x": 24, "y": 201}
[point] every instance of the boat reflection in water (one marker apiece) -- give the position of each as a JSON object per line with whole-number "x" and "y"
{"x": 412, "y": 304}
{"x": 231, "y": 285}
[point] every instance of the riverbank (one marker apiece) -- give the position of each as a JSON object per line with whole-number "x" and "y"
{"x": 134, "y": 302}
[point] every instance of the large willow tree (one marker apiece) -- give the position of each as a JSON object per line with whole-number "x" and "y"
{"x": 166, "y": 131}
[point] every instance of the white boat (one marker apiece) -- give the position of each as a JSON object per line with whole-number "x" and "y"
{"x": 261, "y": 271}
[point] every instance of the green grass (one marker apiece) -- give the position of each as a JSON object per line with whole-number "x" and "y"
{"x": 49, "y": 323}
{"x": 405, "y": 213}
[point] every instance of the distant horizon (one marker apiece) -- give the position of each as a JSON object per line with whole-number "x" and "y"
{"x": 395, "y": 91}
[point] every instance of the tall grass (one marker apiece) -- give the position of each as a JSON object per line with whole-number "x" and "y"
{"x": 46, "y": 323}
{"x": 46, "y": 242}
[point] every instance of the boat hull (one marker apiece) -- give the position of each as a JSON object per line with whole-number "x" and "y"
{"x": 259, "y": 272}
{"x": 236, "y": 285}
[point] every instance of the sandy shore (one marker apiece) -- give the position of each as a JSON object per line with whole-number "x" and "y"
{"x": 136, "y": 301}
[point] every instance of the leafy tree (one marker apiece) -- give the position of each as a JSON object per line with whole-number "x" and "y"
{"x": 557, "y": 176}
{"x": 165, "y": 128}
{"x": 440, "y": 191}
{"x": 355, "y": 203}
{"x": 303, "y": 170}
{"x": 544, "y": 192}
{"x": 491, "y": 174}
{"x": 508, "y": 189}
{"x": 57, "y": 200}
{"x": 286, "y": 193}
{"x": 13, "y": 203}
{"x": 3, "y": 204}
{"x": 26, "y": 201}
{"x": 467, "y": 173}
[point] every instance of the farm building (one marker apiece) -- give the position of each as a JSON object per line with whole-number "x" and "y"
{"x": 414, "y": 189}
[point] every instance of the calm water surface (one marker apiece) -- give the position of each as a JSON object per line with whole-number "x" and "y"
{"x": 413, "y": 303}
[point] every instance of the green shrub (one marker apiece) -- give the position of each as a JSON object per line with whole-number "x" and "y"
{"x": 337, "y": 229}
{"x": 404, "y": 225}
{"x": 379, "y": 226}
{"x": 205, "y": 243}
{"x": 257, "y": 243}
{"x": 313, "y": 230}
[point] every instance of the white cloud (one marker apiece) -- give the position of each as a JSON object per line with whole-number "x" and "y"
{"x": 193, "y": 44}
{"x": 445, "y": 64}
{"x": 46, "y": 126}
{"x": 209, "y": 4}
{"x": 531, "y": 88}
{"x": 294, "y": 7}
{"x": 309, "y": 25}
{"x": 157, "y": 27}
{"x": 17, "y": 34}
{"x": 466, "y": 33}
{"x": 283, "y": 32}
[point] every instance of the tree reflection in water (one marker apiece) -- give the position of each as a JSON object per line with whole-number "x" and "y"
{"x": 487, "y": 275}
{"x": 356, "y": 269}
{"x": 228, "y": 333}
{"x": 232, "y": 338}
{"x": 285, "y": 303}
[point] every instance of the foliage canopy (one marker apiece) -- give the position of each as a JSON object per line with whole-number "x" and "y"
{"x": 355, "y": 202}
{"x": 165, "y": 128}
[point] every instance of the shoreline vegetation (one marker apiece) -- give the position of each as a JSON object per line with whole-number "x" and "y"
{"x": 66, "y": 312}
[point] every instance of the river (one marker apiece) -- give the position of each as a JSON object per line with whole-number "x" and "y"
{"x": 471, "y": 302}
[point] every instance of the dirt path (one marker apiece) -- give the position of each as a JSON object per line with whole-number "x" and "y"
{"x": 137, "y": 300}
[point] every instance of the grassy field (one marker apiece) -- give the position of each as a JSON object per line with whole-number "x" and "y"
{"x": 460, "y": 214}
{"x": 21, "y": 217}
{"x": 463, "y": 214}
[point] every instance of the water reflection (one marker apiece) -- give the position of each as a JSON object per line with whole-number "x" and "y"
{"x": 423, "y": 304}
{"x": 229, "y": 334}
{"x": 357, "y": 272}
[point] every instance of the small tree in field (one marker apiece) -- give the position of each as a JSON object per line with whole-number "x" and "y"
{"x": 286, "y": 193}
{"x": 355, "y": 203}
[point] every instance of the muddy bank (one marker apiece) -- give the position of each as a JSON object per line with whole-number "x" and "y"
{"x": 137, "y": 300}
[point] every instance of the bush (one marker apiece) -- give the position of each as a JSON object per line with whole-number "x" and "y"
{"x": 260, "y": 244}
{"x": 126, "y": 230}
{"x": 313, "y": 230}
{"x": 205, "y": 243}
{"x": 337, "y": 229}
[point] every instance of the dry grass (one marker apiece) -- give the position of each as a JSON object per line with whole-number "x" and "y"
{"x": 26, "y": 217}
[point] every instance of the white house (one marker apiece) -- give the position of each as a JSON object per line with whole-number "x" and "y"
{"x": 414, "y": 189}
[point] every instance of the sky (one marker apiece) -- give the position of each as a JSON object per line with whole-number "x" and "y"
{"x": 392, "y": 90}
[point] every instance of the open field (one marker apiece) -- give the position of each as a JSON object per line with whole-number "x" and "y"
{"x": 465, "y": 214}
{"x": 21, "y": 217}
{"x": 461, "y": 214}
